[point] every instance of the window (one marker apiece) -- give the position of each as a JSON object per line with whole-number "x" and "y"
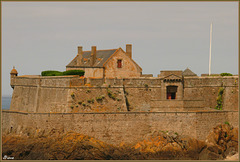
{"x": 171, "y": 92}
{"x": 119, "y": 63}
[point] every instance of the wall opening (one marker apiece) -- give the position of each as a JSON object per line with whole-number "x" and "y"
{"x": 171, "y": 92}
{"x": 119, "y": 63}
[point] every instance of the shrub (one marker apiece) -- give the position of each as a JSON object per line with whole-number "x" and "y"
{"x": 219, "y": 99}
{"x": 100, "y": 98}
{"x": 226, "y": 74}
{"x": 146, "y": 86}
{"x": 227, "y": 123}
{"x": 79, "y": 102}
{"x": 90, "y": 101}
{"x": 74, "y": 72}
{"x": 51, "y": 73}
{"x": 111, "y": 95}
{"x": 220, "y": 91}
{"x": 59, "y": 73}
{"x": 72, "y": 95}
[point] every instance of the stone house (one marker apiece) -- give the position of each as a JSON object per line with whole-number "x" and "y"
{"x": 110, "y": 63}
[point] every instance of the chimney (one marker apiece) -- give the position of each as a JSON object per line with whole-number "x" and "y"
{"x": 93, "y": 55}
{"x": 129, "y": 50}
{"x": 79, "y": 56}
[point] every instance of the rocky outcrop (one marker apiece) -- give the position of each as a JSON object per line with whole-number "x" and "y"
{"x": 170, "y": 145}
{"x": 221, "y": 142}
{"x": 233, "y": 157}
{"x": 72, "y": 146}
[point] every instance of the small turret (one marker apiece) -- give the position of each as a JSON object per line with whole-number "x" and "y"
{"x": 13, "y": 74}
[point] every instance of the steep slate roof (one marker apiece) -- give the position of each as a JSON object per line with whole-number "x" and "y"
{"x": 101, "y": 57}
{"x": 188, "y": 72}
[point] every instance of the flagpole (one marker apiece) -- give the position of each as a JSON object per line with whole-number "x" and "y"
{"x": 210, "y": 49}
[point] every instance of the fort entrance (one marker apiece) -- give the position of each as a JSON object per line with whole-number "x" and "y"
{"x": 171, "y": 92}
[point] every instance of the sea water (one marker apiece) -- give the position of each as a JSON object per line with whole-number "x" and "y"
{"x": 6, "y": 101}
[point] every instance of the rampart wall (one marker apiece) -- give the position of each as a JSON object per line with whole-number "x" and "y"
{"x": 206, "y": 89}
{"x": 55, "y": 94}
{"x": 117, "y": 127}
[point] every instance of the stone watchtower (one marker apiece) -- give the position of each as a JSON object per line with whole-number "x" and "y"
{"x": 13, "y": 74}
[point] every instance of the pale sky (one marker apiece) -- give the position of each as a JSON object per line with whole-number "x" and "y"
{"x": 38, "y": 36}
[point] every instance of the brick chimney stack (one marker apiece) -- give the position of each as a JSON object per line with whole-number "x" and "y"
{"x": 129, "y": 50}
{"x": 79, "y": 56}
{"x": 93, "y": 55}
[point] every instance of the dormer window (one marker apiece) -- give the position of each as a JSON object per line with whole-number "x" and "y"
{"x": 119, "y": 63}
{"x": 85, "y": 60}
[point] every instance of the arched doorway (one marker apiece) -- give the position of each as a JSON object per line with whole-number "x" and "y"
{"x": 171, "y": 92}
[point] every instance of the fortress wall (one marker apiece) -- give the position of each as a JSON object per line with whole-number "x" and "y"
{"x": 115, "y": 128}
{"x": 230, "y": 98}
{"x": 23, "y": 98}
{"x": 193, "y": 104}
{"x": 171, "y": 104}
{"x": 52, "y": 100}
{"x": 69, "y": 81}
{"x": 39, "y": 99}
{"x": 206, "y": 89}
{"x": 142, "y": 82}
{"x": 215, "y": 81}
{"x": 25, "y": 81}
{"x": 95, "y": 81}
{"x": 53, "y": 94}
{"x": 112, "y": 99}
{"x": 114, "y": 82}
{"x": 45, "y": 94}
{"x": 205, "y": 121}
{"x": 45, "y": 81}
{"x": 40, "y": 94}
{"x": 56, "y": 82}
{"x": 139, "y": 99}
{"x": 78, "y": 81}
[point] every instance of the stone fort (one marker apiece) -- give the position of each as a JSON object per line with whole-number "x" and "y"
{"x": 115, "y": 102}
